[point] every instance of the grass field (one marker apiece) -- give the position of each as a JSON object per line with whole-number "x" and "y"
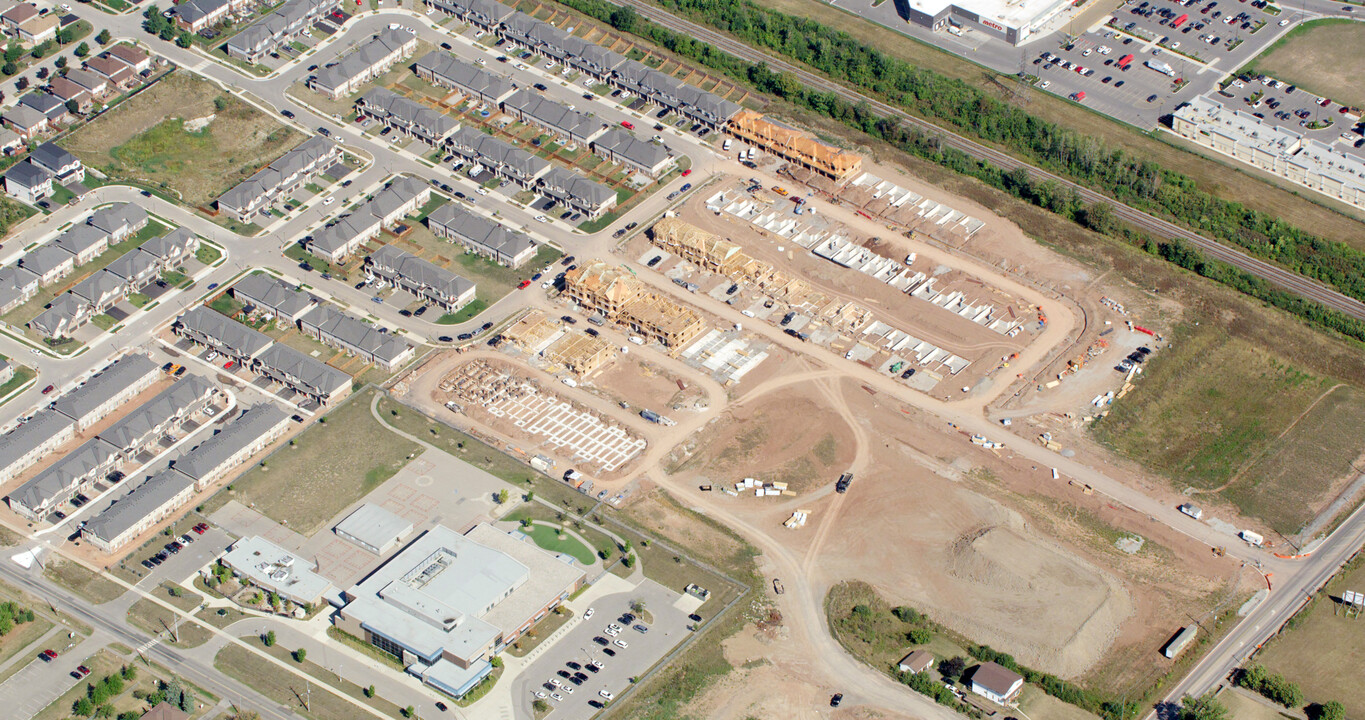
{"x": 287, "y": 689}
{"x": 22, "y": 374}
{"x": 548, "y": 539}
{"x": 1210, "y": 411}
{"x": 332, "y": 464}
{"x": 155, "y": 619}
{"x": 1323, "y": 651}
{"x": 89, "y": 585}
{"x": 492, "y": 280}
{"x": 1323, "y": 57}
{"x": 138, "y": 141}
{"x": 317, "y": 671}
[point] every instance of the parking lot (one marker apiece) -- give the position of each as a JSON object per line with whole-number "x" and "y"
{"x": 572, "y": 656}
{"x": 1132, "y": 67}
{"x": 1298, "y": 111}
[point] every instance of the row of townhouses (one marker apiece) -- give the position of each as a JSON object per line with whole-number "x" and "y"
{"x": 162, "y": 494}
{"x": 130, "y": 273}
{"x": 275, "y": 181}
{"x": 80, "y": 244}
{"x": 369, "y": 61}
{"x": 265, "y": 295}
{"x": 317, "y": 381}
{"x": 481, "y": 235}
{"x": 429, "y": 282}
{"x": 338, "y": 241}
{"x": 278, "y": 28}
{"x": 118, "y": 446}
{"x": 196, "y": 15}
{"x": 74, "y": 412}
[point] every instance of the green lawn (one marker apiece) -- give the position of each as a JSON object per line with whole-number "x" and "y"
{"x": 207, "y": 254}
{"x": 548, "y": 538}
{"x": 333, "y": 463}
{"x": 138, "y": 300}
{"x": 22, "y": 374}
{"x": 465, "y": 313}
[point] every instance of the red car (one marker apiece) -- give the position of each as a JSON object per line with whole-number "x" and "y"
{"x": 80, "y": 672}
{"x": 48, "y": 655}
{"x": 523, "y": 284}
{"x": 229, "y": 364}
{"x": 49, "y": 389}
{"x": 627, "y": 125}
{"x": 687, "y": 172}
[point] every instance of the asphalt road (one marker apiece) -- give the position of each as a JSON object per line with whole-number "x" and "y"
{"x": 1155, "y": 226}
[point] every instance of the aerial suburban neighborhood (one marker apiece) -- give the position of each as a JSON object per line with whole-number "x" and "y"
{"x": 569, "y": 359}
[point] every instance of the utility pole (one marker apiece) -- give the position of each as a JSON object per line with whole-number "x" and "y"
{"x": 308, "y": 696}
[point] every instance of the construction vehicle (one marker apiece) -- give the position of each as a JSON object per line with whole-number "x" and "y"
{"x": 841, "y": 486}
{"x": 777, "y": 586}
{"x": 1220, "y": 551}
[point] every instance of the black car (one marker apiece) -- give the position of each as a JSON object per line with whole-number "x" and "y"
{"x": 609, "y": 652}
{"x": 593, "y": 668}
{"x": 441, "y": 706}
{"x": 563, "y": 673}
{"x": 465, "y": 336}
{"x": 1145, "y": 350}
{"x": 568, "y": 319}
{"x": 694, "y": 617}
{"x": 600, "y": 640}
{"x": 655, "y": 260}
{"x": 909, "y": 372}
{"x": 618, "y": 233}
{"x": 287, "y": 113}
{"x": 324, "y": 132}
{"x": 148, "y": 564}
{"x": 627, "y": 618}
{"x": 787, "y": 319}
{"x": 445, "y": 338}
{"x": 156, "y": 559}
{"x": 541, "y": 87}
{"x": 360, "y": 284}
{"x": 567, "y": 260}
{"x": 575, "y": 681}
{"x": 592, "y": 332}
{"x": 421, "y": 310}
{"x": 485, "y": 326}
{"x": 405, "y": 313}
{"x": 632, "y": 226}
{"x": 445, "y": 46}
{"x": 573, "y": 665}
{"x": 838, "y": 698}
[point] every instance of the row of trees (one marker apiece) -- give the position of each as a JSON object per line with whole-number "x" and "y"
{"x": 162, "y": 27}
{"x": 1137, "y": 182}
{"x": 11, "y": 614}
{"x": 1273, "y": 686}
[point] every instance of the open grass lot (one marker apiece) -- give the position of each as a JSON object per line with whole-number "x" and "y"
{"x": 1210, "y": 406}
{"x": 308, "y": 666}
{"x": 336, "y": 461}
{"x": 22, "y": 635}
{"x": 1323, "y": 651}
{"x": 146, "y": 140}
{"x": 289, "y": 689}
{"x": 1210, "y": 174}
{"x": 155, "y": 619}
{"x": 548, "y": 538}
{"x": 1325, "y": 57}
{"x": 86, "y": 583}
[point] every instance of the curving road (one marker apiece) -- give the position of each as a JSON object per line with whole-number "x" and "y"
{"x": 1151, "y": 224}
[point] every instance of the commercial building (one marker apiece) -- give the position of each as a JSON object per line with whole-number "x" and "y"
{"x": 1277, "y": 150}
{"x": 102, "y": 394}
{"x": 431, "y": 283}
{"x": 481, "y": 235}
{"x": 161, "y": 495}
{"x": 486, "y": 14}
{"x": 444, "y": 70}
{"x": 250, "y": 433}
{"x": 577, "y": 192}
{"x": 401, "y": 198}
{"x": 339, "y": 330}
{"x": 409, "y": 117}
{"x": 373, "y": 528}
{"x": 367, "y": 62}
{"x": 997, "y": 683}
{"x": 265, "y": 294}
{"x": 273, "y": 182}
{"x": 620, "y": 146}
{"x": 794, "y": 145}
{"x": 278, "y": 28}
{"x": 270, "y": 567}
{"x": 504, "y": 160}
{"x": 621, "y": 298}
{"x": 448, "y": 602}
{"x": 569, "y": 126}
{"x": 72, "y": 474}
{"x": 22, "y": 447}
{"x": 1014, "y": 21}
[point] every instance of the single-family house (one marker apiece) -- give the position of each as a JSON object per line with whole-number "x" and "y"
{"x": 997, "y": 683}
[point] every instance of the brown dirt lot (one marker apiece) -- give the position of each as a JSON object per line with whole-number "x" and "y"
{"x": 785, "y": 436}
{"x": 643, "y": 384}
{"x": 1323, "y": 57}
{"x": 145, "y": 139}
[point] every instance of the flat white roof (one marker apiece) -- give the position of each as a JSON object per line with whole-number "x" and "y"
{"x": 374, "y": 526}
{"x": 1010, "y": 13}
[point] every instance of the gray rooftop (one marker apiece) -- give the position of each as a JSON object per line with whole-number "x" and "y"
{"x": 568, "y": 183}
{"x": 27, "y": 174}
{"x": 624, "y": 143}
{"x": 51, "y": 155}
{"x": 45, "y": 259}
{"x": 480, "y": 230}
{"x": 134, "y": 265}
{"x": 98, "y": 286}
{"x": 118, "y": 217}
{"x": 499, "y": 154}
{"x": 146, "y": 499}
{"x": 467, "y": 77}
{"x": 72, "y": 469}
{"x": 98, "y": 390}
{"x": 420, "y": 271}
{"x": 45, "y": 425}
{"x": 271, "y": 565}
{"x": 172, "y": 243}
{"x": 134, "y": 428}
{"x": 80, "y": 238}
{"x": 229, "y": 333}
{"x": 346, "y": 329}
{"x": 364, "y": 58}
{"x": 409, "y": 112}
{"x": 264, "y": 291}
{"x": 269, "y": 177}
{"x": 253, "y": 424}
{"x": 374, "y": 526}
{"x": 313, "y": 374}
{"x": 60, "y": 314}
{"x": 548, "y": 113}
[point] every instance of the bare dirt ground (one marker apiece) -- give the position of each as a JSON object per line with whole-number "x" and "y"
{"x": 643, "y": 384}
{"x": 987, "y": 546}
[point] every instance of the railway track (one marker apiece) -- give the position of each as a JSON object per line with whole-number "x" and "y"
{"x": 1157, "y": 227}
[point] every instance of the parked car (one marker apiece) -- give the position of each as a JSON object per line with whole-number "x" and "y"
{"x": 49, "y": 389}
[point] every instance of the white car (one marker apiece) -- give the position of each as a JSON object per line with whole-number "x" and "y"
{"x": 606, "y": 695}
{"x": 478, "y": 35}
{"x": 541, "y": 694}
{"x": 64, "y": 7}
{"x": 611, "y": 632}
{"x": 1044, "y": 84}
{"x": 568, "y": 689}
{"x": 1087, "y": 52}
{"x": 481, "y": 61}
{"x": 596, "y": 664}
{"x": 542, "y": 218}
{"x": 556, "y": 683}
{"x": 1283, "y": 23}
{"x": 482, "y": 191}
{"x": 556, "y": 697}
{"x": 546, "y": 285}
{"x": 328, "y": 200}
{"x": 587, "y": 614}
{"x": 621, "y": 644}
{"x": 549, "y": 65}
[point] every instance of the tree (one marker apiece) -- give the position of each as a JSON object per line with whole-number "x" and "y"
{"x": 269, "y": 639}
{"x": 187, "y": 701}
{"x": 167, "y": 32}
{"x": 9, "y": 68}
{"x": 73, "y": 107}
{"x": 530, "y": 495}
{"x": 495, "y": 661}
{"x": 951, "y": 668}
{"x": 13, "y": 52}
{"x": 60, "y": 62}
{"x": 82, "y": 50}
{"x": 1326, "y": 711}
{"x": 409, "y": 711}
{"x": 919, "y": 636}
{"x": 83, "y": 707}
{"x": 502, "y": 497}
{"x": 43, "y": 73}
{"x": 65, "y": 36}
{"x": 540, "y": 706}
{"x": 906, "y": 614}
{"x": 129, "y": 672}
{"x": 39, "y": 51}
{"x": 623, "y": 19}
{"x": 104, "y": 37}
{"x": 369, "y": 691}
{"x": 300, "y": 655}
{"x": 638, "y": 606}
{"x": 1202, "y": 708}
{"x": 105, "y": 711}
{"x": 628, "y": 560}
{"x": 21, "y": 83}
{"x": 183, "y": 40}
